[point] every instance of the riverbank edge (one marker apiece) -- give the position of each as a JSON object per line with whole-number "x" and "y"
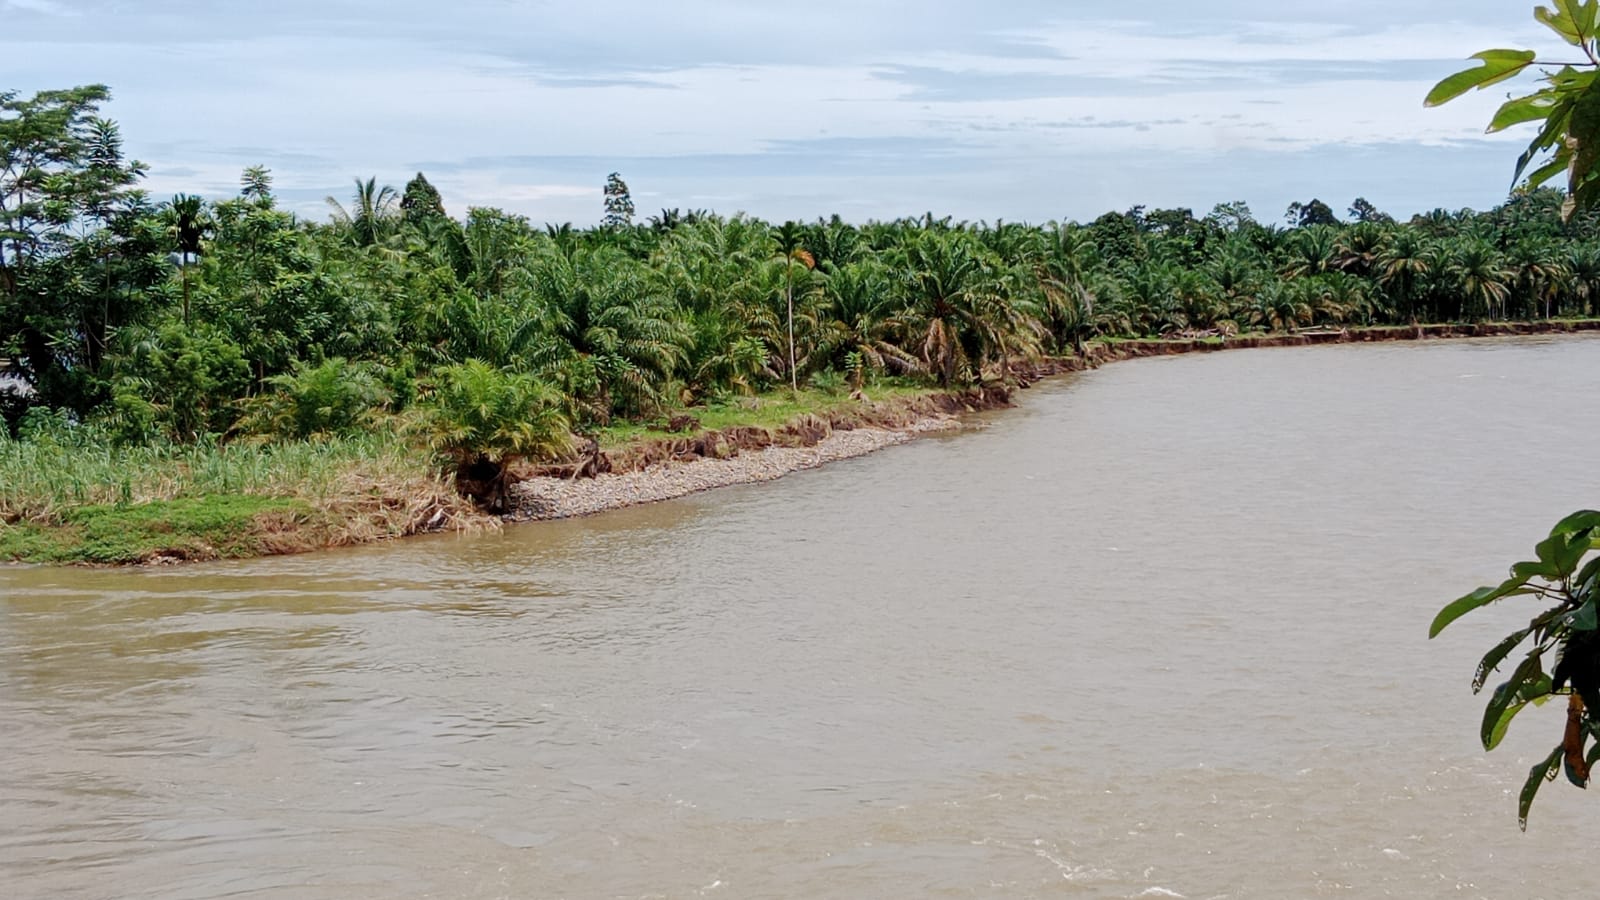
{"x": 656, "y": 469}
{"x": 671, "y": 468}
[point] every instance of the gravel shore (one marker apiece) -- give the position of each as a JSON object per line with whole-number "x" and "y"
{"x": 539, "y": 499}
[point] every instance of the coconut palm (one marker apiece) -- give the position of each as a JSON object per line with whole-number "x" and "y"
{"x": 372, "y": 216}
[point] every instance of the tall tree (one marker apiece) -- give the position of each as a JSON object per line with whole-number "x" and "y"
{"x": 1363, "y": 211}
{"x": 63, "y": 183}
{"x": 188, "y": 223}
{"x": 421, "y": 202}
{"x": 1312, "y": 212}
{"x": 371, "y": 215}
{"x": 619, "y": 203}
{"x": 255, "y": 185}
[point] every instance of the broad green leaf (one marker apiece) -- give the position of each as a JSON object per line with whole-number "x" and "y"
{"x": 1582, "y": 520}
{"x": 1527, "y": 682}
{"x": 1537, "y": 693}
{"x": 1538, "y": 690}
{"x": 1588, "y": 575}
{"x": 1561, "y": 20}
{"x": 1497, "y": 66}
{"x": 1537, "y": 776}
{"x": 1569, "y": 80}
{"x": 1479, "y": 598}
{"x": 1498, "y": 732}
{"x": 1549, "y": 170}
{"x": 1583, "y": 135}
{"x": 1584, "y": 618}
{"x": 1530, "y": 569}
{"x": 1495, "y": 657}
{"x": 1560, "y": 553}
{"x": 1541, "y": 144}
{"x": 1518, "y": 110}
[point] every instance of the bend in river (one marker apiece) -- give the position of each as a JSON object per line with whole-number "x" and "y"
{"x": 1161, "y": 631}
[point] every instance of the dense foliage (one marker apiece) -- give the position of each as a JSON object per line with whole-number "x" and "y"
{"x": 197, "y": 319}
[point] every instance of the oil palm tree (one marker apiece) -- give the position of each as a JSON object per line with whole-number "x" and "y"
{"x": 609, "y": 342}
{"x": 959, "y": 309}
{"x": 1401, "y": 266}
{"x": 1359, "y": 247}
{"x": 1062, "y": 268}
{"x": 1312, "y": 251}
{"x": 1537, "y": 274}
{"x": 1479, "y": 274}
{"x": 1583, "y": 282}
{"x": 482, "y": 419}
{"x": 862, "y": 322}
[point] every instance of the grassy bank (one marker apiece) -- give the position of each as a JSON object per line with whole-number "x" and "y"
{"x": 69, "y": 498}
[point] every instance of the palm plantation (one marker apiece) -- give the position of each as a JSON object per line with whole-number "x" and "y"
{"x": 244, "y": 338}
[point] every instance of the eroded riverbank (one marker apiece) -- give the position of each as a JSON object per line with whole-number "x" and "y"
{"x": 669, "y": 468}
{"x": 658, "y": 467}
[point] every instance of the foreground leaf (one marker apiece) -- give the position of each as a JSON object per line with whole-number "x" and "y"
{"x": 1497, "y": 66}
{"x": 1537, "y": 776}
{"x": 1478, "y": 599}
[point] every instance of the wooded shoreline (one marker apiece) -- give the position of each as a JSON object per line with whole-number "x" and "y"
{"x": 654, "y": 469}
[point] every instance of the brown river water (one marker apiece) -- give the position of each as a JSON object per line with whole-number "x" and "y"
{"x": 1159, "y": 632}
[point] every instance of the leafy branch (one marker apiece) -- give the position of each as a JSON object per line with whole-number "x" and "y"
{"x": 1567, "y": 105}
{"x": 1559, "y": 573}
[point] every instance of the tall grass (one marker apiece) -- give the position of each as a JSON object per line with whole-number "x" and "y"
{"x": 50, "y": 473}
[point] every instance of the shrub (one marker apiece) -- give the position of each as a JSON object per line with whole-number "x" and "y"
{"x": 188, "y": 378}
{"x": 481, "y": 418}
{"x": 334, "y": 397}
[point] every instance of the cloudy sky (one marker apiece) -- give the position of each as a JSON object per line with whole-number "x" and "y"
{"x": 981, "y": 109}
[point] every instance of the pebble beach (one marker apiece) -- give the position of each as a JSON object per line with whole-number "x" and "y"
{"x": 545, "y": 498}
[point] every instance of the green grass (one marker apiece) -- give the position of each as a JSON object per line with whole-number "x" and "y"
{"x": 40, "y": 480}
{"x": 72, "y": 497}
{"x": 769, "y": 410}
{"x": 187, "y": 528}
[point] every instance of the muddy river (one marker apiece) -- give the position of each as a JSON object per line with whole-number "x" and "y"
{"x": 1159, "y": 632}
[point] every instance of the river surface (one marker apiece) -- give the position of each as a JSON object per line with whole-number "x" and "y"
{"x": 1159, "y": 632}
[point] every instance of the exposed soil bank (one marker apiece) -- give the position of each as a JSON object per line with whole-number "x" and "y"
{"x": 651, "y": 471}
{"x": 1119, "y": 350}
{"x": 665, "y": 469}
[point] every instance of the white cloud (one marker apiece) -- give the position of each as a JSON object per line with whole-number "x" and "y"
{"x": 340, "y": 88}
